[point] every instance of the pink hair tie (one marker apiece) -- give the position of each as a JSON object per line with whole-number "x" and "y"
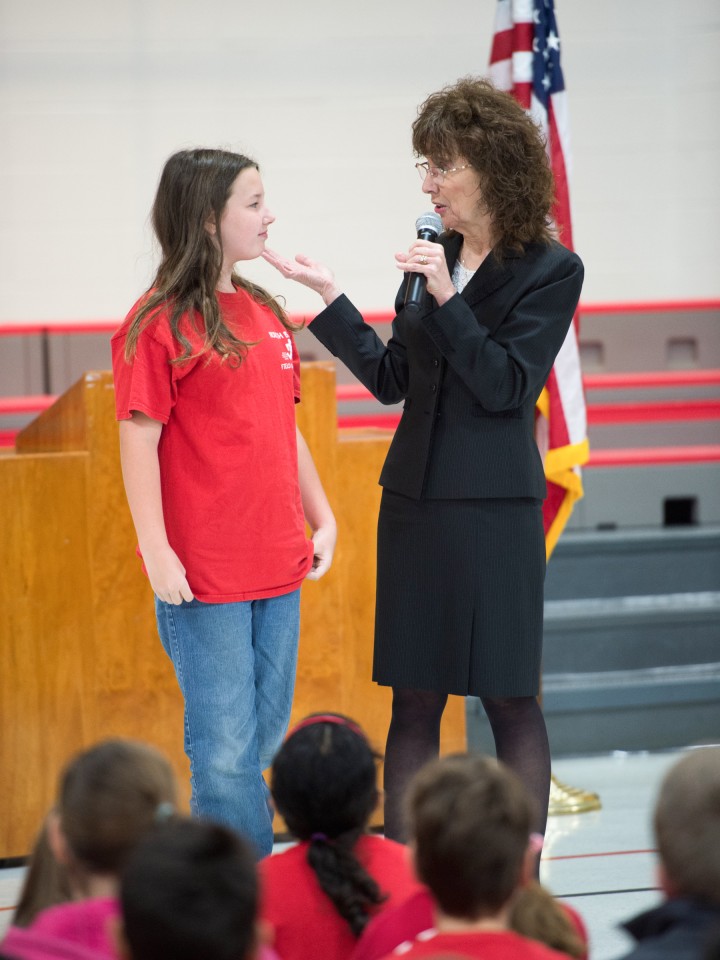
{"x": 327, "y": 718}
{"x": 536, "y": 842}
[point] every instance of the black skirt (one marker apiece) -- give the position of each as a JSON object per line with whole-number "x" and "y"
{"x": 460, "y": 595}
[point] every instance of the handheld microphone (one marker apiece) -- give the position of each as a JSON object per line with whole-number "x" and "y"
{"x": 428, "y": 227}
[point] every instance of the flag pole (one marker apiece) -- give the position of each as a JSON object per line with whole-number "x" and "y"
{"x": 525, "y": 61}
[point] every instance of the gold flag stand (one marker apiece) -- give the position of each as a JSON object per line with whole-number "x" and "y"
{"x": 566, "y": 800}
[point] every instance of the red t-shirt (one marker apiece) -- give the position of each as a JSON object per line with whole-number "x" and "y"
{"x": 488, "y": 945}
{"x": 415, "y": 918}
{"x": 227, "y": 452}
{"x": 305, "y": 922}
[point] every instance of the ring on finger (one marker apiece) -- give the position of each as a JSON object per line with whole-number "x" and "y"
{"x": 423, "y": 260}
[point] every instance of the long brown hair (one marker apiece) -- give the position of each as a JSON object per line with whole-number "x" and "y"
{"x": 45, "y": 884}
{"x": 491, "y": 131}
{"x": 194, "y": 189}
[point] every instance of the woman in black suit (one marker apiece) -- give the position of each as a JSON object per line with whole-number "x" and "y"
{"x": 461, "y": 549}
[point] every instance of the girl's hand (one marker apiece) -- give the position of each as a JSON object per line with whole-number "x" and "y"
{"x": 429, "y": 259}
{"x": 306, "y": 271}
{"x": 167, "y": 577}
{"x": 324, "y": 540}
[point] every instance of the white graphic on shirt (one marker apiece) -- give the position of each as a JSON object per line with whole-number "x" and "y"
{"x": 285, "y": 347}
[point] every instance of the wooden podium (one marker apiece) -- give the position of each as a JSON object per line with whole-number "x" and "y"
{"x": 80, "y": 659}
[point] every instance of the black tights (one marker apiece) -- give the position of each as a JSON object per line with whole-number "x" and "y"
{"x": 413, "y": 739}
{"x": 521, "y": 742}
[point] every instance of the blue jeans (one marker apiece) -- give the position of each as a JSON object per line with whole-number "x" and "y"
{"x": 235, "y": 663}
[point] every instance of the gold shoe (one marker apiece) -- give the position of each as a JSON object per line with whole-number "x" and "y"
{"x": 565, "y": 799}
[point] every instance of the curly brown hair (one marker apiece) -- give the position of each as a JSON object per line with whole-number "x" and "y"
{"x": 488, "y": 129}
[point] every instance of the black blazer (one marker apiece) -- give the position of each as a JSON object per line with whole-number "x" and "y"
{"x": 470, "y": 372}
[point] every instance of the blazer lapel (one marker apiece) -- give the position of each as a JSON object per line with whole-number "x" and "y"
{"x": 488, "y": 278}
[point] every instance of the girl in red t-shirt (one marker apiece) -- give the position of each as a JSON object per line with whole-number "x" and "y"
{"x": 219, "y": 481}
{"x": 318, "y": 896}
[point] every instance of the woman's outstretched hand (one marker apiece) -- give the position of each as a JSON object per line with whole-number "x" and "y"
{"x": 306, "y": 271}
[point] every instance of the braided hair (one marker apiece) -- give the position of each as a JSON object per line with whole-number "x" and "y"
{"x": 324, "y": 786}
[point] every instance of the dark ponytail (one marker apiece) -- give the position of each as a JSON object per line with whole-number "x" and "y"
{"x": 324, "y": 786}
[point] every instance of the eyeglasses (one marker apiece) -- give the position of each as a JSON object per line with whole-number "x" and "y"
{"x": 437, "y": 173}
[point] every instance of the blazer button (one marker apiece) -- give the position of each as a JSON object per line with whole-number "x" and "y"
{"x": 436, "y": 362}
{"x": 434, "y": 388}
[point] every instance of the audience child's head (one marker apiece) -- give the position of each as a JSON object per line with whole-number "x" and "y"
{"x": 109, "y": 796}
{"x": 687, "y": 827}
{"x": 469, "y": 820}
{"x": 324, "y": 778}
{"x": 324, "y": 784}
{"x": 190, "y": 891}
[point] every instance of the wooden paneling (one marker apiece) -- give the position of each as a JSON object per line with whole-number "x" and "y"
{"x": 45, "y": 606}
{"x": 79, "y": 654}
{"x": 320, "y": 682}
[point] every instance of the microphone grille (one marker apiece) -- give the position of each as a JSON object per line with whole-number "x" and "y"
{"x": 429, "y": 221}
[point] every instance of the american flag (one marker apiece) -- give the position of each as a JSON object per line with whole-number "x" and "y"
{"x": 525, "y": 60}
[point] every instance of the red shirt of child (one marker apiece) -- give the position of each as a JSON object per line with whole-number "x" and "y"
{"x": 304, "y": 920}
{"x": 485, "y": 945}
{"x": 227, "y": 452}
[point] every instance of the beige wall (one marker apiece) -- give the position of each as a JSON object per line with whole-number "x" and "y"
{"x": 94, "y": 95}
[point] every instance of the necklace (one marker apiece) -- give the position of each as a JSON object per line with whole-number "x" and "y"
{"x": 461, "y": 275}
{"x": 464, "y": 265}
